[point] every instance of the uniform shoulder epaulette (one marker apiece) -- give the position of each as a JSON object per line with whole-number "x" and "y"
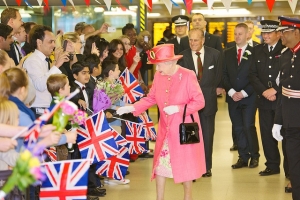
{"x": 283, "y": 50}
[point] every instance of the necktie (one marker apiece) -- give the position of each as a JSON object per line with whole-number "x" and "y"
{"x": 271, "y": 49}
{"x": 239, "y": 56}
{"x": 48, "y": 60}
{"x": 83, "y": 88}
{"x": 199, "y": 63}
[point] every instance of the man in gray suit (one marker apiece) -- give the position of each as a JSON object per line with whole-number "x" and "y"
{"x": 206, "y": 62}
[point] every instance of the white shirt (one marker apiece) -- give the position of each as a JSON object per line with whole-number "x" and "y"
{"x": 250, "y": 42}
{"x": 195, "y": 58}
{"x": 86, "y": 99}
{"x": 178, "y": 40}
{"x": 274, "y": 45}
{"x": 38, "y": 72}
{"x": 232, "y": 91}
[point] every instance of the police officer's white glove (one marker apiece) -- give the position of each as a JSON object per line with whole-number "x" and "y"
{"x": 125, "y": 109}
{"x": 170, "y": 110}
{"x": 276, "y": 132}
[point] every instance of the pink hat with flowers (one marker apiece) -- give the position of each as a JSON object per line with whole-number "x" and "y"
{"x": 162, "y": 53}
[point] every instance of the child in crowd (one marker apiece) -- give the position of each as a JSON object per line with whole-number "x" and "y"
{"x": 58, "y": 85}
{"x": 93, "y": 62}
{"x": 111, "y": 72}
{"x": 9, "y": 114}
{"x": 81, "y": 73}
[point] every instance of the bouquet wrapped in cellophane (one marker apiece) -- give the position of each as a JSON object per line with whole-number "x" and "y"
{"x": 106, "y": 94}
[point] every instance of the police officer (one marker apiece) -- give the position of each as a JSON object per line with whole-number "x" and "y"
{"x": 288, "y": 109}
{"x": 263, "y": 74}
{"x": 181, "y": 41}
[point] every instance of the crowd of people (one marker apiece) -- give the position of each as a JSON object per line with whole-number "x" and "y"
{"x": 37, "y": 64}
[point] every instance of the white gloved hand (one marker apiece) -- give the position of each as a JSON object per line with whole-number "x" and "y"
{"x": 276, "y": 132}
{"x": 125, "y": 109}
{"x": 170, "y": 110}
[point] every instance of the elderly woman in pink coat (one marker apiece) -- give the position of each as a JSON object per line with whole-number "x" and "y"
{"x": 172, "y": 88}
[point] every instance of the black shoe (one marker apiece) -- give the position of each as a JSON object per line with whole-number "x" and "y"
{"x": 240, "y": 163}
{"x": 288, "y": 189}
{"x": 127, "y": 173}
{"x": 253, "y": 162}
{"x": 207, "y": 174}
{"x": 268, "y": 172}
{"x": 234, "y": 147}
{"x": 92, "y": 197}
{"x": 146, "y": 155}
{"x": 99, "y": 192}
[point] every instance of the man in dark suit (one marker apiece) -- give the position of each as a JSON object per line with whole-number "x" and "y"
{"x": 12, "y": 18}
{"x": 209, "y": 75}
{"x": 287, "y": 110}
{"x": 252, "y": 43}
{"x": 241, "y": 97}
{"x": 263, "y": 74}
{"x": 213, "y": 41}
{"x": 181, "y": 41}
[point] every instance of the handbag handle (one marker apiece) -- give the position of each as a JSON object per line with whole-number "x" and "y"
{"x": 184, "y": 111}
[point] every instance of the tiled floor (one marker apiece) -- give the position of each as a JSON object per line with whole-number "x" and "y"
{"x": 225, "y": 184}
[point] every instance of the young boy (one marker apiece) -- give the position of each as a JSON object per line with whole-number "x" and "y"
{"x": 93, "y": 62}
{"x": 58, "y": 85}
{"x": 81, "y": 73}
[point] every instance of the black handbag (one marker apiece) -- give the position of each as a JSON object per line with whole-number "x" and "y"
{"x": 189, "y": 132}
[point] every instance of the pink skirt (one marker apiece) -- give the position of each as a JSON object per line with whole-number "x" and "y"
{"x": 164, "y": 165}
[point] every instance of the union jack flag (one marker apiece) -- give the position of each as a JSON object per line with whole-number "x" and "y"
{"x": 95, "y": 139}
{"x": 116, "y": 166}
{"x": 148, "y": 126}
{"x": 132, "y": 89}
{"x": 65, "y": 180}
{"x": 51, "y": 153}
{"x": 120, "y": 140}
{"x": 135, "y": 136}
{"x": 35, "y": 128}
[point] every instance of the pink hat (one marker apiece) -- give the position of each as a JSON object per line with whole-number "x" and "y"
{"x": 162, "y": 53}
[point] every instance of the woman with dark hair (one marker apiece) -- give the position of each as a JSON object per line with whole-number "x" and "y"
{"x": 117, "y": 53}
{"x": 96, "y": 45}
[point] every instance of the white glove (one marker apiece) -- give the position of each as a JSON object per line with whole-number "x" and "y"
{"x": 170, "y": 110}
{"x": 125, "y": 109}
{"x": 276, "y": 132}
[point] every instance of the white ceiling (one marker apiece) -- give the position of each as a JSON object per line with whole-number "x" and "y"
{"x": 257, "y": 8}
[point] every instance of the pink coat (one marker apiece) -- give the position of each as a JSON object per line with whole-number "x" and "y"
{"x": 187, "y": 161}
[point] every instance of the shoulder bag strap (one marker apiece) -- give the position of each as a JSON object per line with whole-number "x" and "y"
{"x": 184, "y": 111}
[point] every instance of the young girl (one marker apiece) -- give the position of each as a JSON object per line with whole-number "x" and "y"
{"x": 9, "y": 114}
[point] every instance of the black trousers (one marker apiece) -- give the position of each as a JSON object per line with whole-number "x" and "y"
{"x": 292, "y": 136}
{"x": 208, "y": 131}
{"x": 270, "y": 145}
{"x": 243, "y": 120}
{"x": 92, "y": 183}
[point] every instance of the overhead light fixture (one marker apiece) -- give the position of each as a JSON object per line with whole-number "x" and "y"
{"x": 127, "y": 12}
{"x": 153, "y": 14}
{"x": 223, "y": 11}
{"x": 98, "y": 9}
{"x": 25, "y": 15}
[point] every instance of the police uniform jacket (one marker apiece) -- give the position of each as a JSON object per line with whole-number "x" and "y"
{"x": 264, "y": 71}
{"x": 184, "y": 44}
{"x": 288, "y": 108}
